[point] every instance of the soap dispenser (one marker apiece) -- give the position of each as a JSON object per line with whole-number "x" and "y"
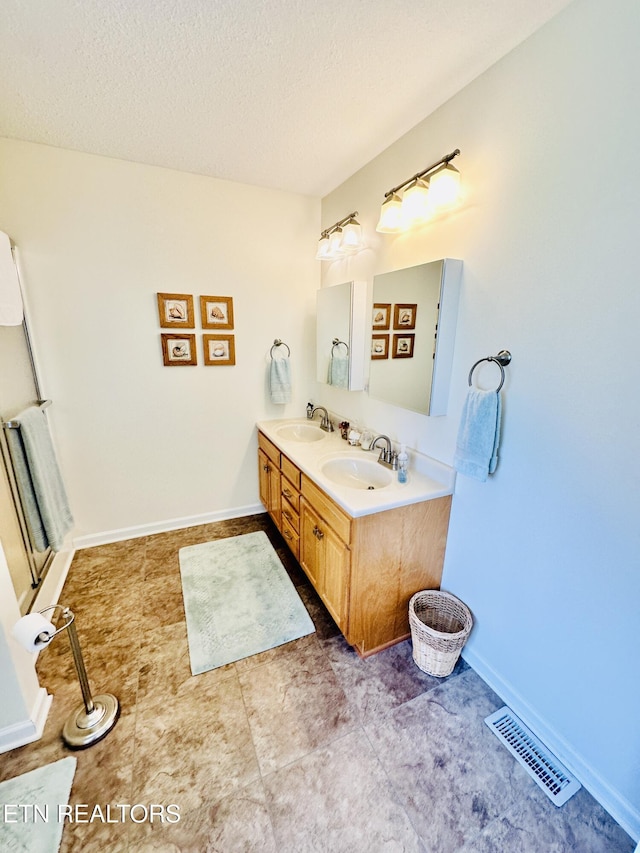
{"x": 403, "y": 464}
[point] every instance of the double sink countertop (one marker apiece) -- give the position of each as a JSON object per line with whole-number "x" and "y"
{"x": 352, "y": 476}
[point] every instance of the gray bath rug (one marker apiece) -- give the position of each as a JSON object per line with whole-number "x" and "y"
{"x": 32, "y": 808}
{"x": 238, "y": 601}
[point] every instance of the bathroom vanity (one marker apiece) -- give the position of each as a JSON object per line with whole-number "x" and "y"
{"x": 365, "y": 542}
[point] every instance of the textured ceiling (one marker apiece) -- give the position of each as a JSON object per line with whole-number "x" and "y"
{"x": 290, "y": 94}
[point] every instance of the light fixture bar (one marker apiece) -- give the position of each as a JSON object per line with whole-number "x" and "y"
{"x": 442, "y": 162}
{"x": 342, "y": 238}
{"x": 327, "y": 231}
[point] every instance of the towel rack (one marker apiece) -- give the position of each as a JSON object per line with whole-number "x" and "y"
{"x": 336, "y": 343}
{"x": 502, "y": 360}
{"x": 43, "y": 404}
{"x": 279, "y": 343}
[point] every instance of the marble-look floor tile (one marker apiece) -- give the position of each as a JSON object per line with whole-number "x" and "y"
{"x": 534, "y": 824}
{"x": 190, "y": 752}
{"x": 239, "y": 823}
{"x": 450, "y": 772}
{"x": 165, "y": 670}
{"x": 338, "y": 800}
{"x": 380, "y": 683}
{"x": 294, "y": 704}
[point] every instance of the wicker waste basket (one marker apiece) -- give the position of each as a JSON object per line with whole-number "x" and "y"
{"x": 440, "y": 625}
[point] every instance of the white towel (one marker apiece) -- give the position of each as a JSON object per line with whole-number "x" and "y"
{"x": 280, "y": 380}
{"x": 479, "y": 434}
{"x": 339, "y": 371}
{"x": 11, "y": 308}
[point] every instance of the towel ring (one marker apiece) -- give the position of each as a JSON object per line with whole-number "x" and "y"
{"x": 502, "y": 359}
{"x": 336, "y": 343}
{"x": 279, "y": 343}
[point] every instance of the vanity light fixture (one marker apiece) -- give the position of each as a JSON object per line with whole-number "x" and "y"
{"x": 343, "y": 238}
{"x": 425, "y": 193}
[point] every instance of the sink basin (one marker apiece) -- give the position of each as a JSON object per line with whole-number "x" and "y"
{"x": 356, "y": 473}
{"x": 301, "y": 432}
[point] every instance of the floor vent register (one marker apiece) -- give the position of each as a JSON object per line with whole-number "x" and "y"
{"x": 545, "y": 769}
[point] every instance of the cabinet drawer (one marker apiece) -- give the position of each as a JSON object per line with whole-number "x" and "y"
{"x": 290, "y": 515}
{"x": 291, "y": 538}
{"x": 290, "y": 471}
{"x": 327, "y": 509}
{"x": 270, "y": 449}
{"x": 290, "y": 494}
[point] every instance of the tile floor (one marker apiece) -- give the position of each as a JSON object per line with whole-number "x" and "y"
{"x": 303, "y": 748}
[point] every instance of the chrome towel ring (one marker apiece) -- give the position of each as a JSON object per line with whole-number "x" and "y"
{"x": 502, "y": 360}
{"x": 279, "y": 343}
{"x": 336, "y": 343}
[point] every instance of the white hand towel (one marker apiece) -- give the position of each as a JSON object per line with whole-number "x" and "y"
{"x": 478, "y": 435}
{"x": 11, "y": 309}
{"x": 280, "y": 380}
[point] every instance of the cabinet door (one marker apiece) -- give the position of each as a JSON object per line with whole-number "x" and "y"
{"x": 335, "y": 565}
{"x": 309, "y": 543}
{"x": 327, "y": 561}
{"x": 269, "y": 486}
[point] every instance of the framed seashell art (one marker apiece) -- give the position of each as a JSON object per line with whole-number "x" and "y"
{"x": 219, "y": 349}
{"x": 216, "y": 312}
{"x": 178, "y": 350}
{"x": 379, "y": 346}
{"x": 381, "y": 316}
{"x": 403, "y": 346}
{"x": 404, "y": 315}
{"x": 176, "y": 310}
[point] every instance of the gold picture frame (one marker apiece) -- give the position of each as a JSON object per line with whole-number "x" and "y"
{"x": 404, "y": 315}
{"x": 178, "y": 350}
{"x": 379, "y": 346}
{"x": 403, "y": 346}
{"x": 176, "y": 310}
{"x": 381, "y": 316}
{"x": 216, "y": 312}
{"x": 219, "y": 350}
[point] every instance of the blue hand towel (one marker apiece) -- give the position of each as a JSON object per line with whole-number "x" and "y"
{"x": 280, "y": 380}
{"x": 339, "y": 371}
{"x": 479, "y": 434}
{"x": 39, "y": 480}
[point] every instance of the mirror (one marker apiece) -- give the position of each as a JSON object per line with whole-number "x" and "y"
{"x": 413, "y": 333}
{"x": 341, "y": 318}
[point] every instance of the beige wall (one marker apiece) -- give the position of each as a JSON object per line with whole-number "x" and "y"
{"x": 142, "y": 445}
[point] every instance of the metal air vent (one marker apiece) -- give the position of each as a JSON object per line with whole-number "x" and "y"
{"x": 545, "y": 769}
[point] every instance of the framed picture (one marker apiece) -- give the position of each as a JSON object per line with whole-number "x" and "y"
{"x": 404, "y": 315}
{"x": 219, "y": 349}
{"x": 381, "y": 315}
{"x": 178, "y": 350}
{"x": 216, "y": 312}
{"x": 403, "y": 346}
{"x": 379, "y": 346}
{"x": 175, "y": 310}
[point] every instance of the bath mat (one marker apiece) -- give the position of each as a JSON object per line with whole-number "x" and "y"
{"x": 238, "y": 601}
{"x": 32, "y": 808}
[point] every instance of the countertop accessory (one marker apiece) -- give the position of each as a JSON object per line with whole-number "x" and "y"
{"x": 502, "y": 360}
{"x": 440, "y": 626}
{"x": 98, "y": 715}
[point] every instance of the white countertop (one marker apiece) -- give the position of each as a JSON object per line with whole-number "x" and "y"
{"x": 428, "y": 478}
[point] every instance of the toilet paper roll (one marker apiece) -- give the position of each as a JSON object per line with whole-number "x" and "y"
{"x": 28, "y": 630}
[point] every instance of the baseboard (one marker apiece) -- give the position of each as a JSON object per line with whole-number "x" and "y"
{"x": 136, "y": 532}
{"x": 20, "y": 734}
{"x": 620, "y": 809}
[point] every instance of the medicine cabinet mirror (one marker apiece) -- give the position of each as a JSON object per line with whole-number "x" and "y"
{"x": 413, "y": 333}
{"x": 341, "y": 347}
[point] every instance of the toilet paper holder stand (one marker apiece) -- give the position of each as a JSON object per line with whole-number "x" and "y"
{"x": 98, "y": 714}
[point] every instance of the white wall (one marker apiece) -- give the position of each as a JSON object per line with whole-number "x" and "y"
{"x": 141, "y": 444}
{"x": 547, "y": 552}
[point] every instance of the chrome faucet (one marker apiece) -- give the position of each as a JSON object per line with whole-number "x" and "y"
{"x": 325, "y": 423}
{"x": 388, "y": 457}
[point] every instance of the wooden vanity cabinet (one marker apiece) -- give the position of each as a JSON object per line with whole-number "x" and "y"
{"x": 364, "y": 569}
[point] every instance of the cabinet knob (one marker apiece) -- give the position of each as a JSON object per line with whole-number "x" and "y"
{"x": 317, "y": 533}
{"x": 266, "y": 468}
{"x": 287, "y": 493}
